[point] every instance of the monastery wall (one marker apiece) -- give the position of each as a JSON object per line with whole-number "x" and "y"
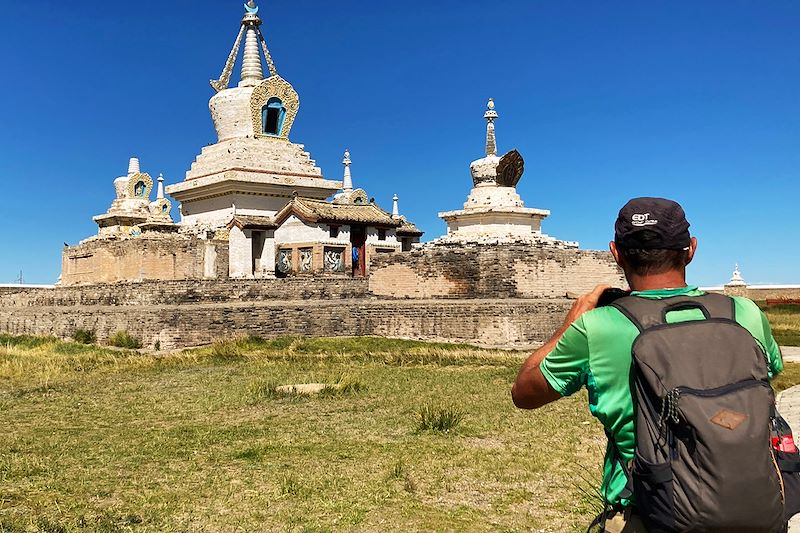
{"x": 164, "y": 257}
{"x": 503, "y": 295}
{"x": 501, "y": 323}
{"x": 762, "y": 293}
{"x": 776, "y": 293}
{"x": 491, "y": 271}
{"x": 155, "y": 293}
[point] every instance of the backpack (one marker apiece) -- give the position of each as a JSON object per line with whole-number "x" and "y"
{"x": 703, "y": 459}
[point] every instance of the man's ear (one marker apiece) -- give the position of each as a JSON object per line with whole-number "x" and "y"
{"x": 692, "y": 249}
{"x": 614, "y": 252}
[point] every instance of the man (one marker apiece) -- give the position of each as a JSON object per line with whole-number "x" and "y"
{"x": 592, "y": 348}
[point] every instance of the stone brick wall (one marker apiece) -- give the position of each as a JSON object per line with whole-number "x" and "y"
{"x": 491, "y": 271}
{"x": 154, "y": 293}
{"x": 161, "y": 257}
{"x": 501, "y": 323}
{"x": 503, "y": 295}
{"x": 760, "y": 294}
{"x": 756, "y": 293}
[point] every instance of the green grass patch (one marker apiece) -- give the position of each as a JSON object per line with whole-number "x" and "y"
{"x": 123, "y": 339}
{"x": 84, "y": 336}
{"x": 785, "y": 322}
{"x": 439, "y": 418}
{"x": 788, "y": 378}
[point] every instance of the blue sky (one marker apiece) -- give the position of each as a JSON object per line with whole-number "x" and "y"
{"x": 697, "y": 101}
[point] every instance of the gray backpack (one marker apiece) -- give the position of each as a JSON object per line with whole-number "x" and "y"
{"x": 703, "y": 459}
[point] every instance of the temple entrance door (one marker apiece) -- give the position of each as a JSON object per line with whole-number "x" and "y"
{"x": 258, "y": 240}
{"x": 358, "y": 239}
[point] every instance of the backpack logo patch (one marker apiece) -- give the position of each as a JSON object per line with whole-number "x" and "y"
{"x": 729, "y": 419}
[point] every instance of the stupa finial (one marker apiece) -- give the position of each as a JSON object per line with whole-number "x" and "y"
{"x": 133, "y": 166}
{"x": 252, "y": 71}
{"x": 395, "y": 207}
{"x": 347, "y": 182}
{"x": 490, "y": 116}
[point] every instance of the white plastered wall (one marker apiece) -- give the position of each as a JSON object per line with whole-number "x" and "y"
{"x": 267, "y": 256}
{"x": 218, "y": 211}
{"x": 240, "y": 248}
{"x": 295, "y": 230}
{"x": 391, "y": 237}
{"x": 210, "y": 261}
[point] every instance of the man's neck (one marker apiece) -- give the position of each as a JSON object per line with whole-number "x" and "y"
{"x": 666, "y": 280}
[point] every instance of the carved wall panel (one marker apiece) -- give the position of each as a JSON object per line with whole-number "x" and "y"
{"x": 285, "y": 261}
{"x": 334, "y": 259}
{"x": 306, "y": 259}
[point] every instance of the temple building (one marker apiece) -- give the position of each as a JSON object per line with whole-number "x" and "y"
{"x": 252, "y": 205}
{"x": 494, "y": 211}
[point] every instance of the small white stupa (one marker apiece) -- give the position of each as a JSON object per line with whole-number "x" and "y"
{"x": 494, "y": 211}
{"x": 131, "y": 212}
{"x": 736, "y": 279}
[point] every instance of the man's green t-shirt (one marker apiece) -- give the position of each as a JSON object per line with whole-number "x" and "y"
{"x": 595, "y": 352}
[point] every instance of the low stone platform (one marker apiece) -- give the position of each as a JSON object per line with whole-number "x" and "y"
{"x": 497, "y": 323}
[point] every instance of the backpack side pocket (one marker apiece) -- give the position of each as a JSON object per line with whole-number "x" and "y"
{"x": 789, "y": 465}
{"x": 652, "y": 485}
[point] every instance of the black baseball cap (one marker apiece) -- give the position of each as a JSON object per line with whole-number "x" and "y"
{"x": 649, "y": 223}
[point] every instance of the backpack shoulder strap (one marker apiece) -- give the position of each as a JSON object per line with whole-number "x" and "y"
{"x": 646, "y": 313}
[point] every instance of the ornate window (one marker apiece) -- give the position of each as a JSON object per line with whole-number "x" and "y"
{"x": 272, "y": 116}
{"x": 139, "y": 189}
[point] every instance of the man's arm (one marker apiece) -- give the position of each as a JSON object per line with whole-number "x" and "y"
{"x": 531, "y": 390}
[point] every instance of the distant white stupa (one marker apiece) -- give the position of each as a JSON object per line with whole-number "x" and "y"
{"x": 494, "y": 212}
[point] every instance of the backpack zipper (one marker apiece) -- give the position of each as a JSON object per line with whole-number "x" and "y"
{"x": 718, "y": 391}
{"x": 669, "y": 407}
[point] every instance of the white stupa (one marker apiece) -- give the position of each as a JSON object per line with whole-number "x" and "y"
{"x": 253, "y": 165}
{"x": 736, "y": 279}
{"x": 494, "y": 211}
{"x": 131, "y": 212}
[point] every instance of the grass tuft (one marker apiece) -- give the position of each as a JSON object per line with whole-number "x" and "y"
{"x": 260, "y": 391}
{"x": 400, "y": 472}
{"x": 123, "y": 339}
{"x": 84, "y": 336}
{"x": 438, "y": 418}
{"x": 290, "y": 486}
{"x": 236, "y": 347}
{"x": 344, "y": 386}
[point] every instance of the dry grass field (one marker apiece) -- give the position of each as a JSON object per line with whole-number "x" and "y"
{"x": 411, "y": 436}
{"x": 785, "y": 321}
{"x": 408, "y": 436}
